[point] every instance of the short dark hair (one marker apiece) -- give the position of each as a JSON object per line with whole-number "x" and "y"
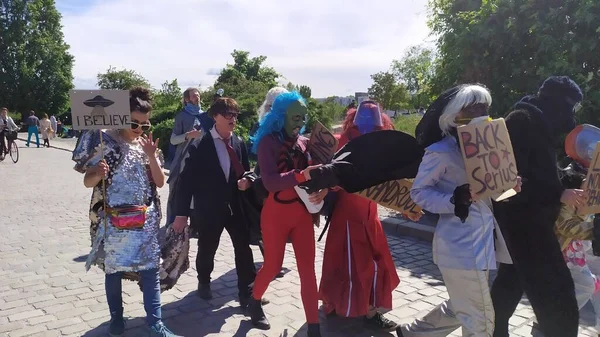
{"x": 140, "y": 100}
{"x": 3, "y": 108}
{"x": 222, "y": 105}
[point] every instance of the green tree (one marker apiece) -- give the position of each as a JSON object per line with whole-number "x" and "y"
{"x": 387, "y": 91}
{"x": 291, "y": 87}
{"x": 35, "y": 67}
{"x": 123, "y": 79}
{"x": 252, "y": 69}
{"x": 169, "y": 94}
{"x": 512, "y": 46}
{"x": 416, "y": 71}
{"x": 305, "y": 91}
{"x": 247, "y": 80}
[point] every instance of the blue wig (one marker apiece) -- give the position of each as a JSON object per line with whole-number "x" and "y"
{"x": 274, "y": 120}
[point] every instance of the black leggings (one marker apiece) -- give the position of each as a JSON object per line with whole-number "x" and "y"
{"x": 47, "y": 142}
{"x": 540, "y": 271}
{"x": 3, "y": 148}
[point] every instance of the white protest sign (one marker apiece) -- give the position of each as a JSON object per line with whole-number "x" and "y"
{"x": 100, "y": 109}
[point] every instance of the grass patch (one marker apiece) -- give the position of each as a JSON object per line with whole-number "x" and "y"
{"x": 407, "y": 123}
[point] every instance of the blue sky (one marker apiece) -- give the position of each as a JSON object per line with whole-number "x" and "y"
{"x": 333, "y": 46}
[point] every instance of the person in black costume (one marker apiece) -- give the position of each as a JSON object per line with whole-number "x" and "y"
{"x": 527, "y": 219}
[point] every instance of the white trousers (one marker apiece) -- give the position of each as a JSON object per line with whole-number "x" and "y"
{"x": 470, "y": 307}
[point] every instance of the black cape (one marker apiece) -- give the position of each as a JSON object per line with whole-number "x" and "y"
{"x": 368, "y": 160}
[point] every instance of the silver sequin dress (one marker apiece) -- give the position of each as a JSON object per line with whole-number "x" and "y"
{"x": 128, "y": 183}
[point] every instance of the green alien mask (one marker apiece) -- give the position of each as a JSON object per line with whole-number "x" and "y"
{"x": 295, "y": 118}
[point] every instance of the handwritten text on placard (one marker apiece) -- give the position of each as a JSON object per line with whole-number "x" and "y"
{"x": 592, "y": 185}
{"x": 100, "y": 109}
{"x": 489, "y": 158}
{"x": 393, "y": 194}
{"x": 323, "y": 144}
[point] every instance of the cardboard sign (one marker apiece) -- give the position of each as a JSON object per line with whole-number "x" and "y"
{"x": 489, "y": 159}
{"x": 100, "y": 109}
{"x": 393, "y": 194}
{"x": 323, "y": 144}
{"x": 592, "y": 185}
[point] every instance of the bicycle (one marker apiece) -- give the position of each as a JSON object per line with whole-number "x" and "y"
{"x": 12, "y": 148}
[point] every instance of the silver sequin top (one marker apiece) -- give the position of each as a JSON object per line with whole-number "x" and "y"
{"x": 128, "y": 183}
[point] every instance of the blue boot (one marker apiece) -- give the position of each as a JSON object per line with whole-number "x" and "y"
{"x": 117, "y": 324}
{"x": 160, "y": 330}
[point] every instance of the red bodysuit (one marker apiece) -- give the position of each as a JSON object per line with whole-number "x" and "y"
{"x": 284, "y": 215}
{"x": 358, "y": 268}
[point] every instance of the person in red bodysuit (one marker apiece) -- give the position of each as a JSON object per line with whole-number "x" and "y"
{"x": 358, "y": 274}
{"x": 282, "y": 155}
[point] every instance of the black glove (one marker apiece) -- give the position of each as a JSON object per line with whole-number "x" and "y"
{"x": 596, "y": 239}
{"x": 322, "y": 177}
{"x": 462, "y": 201}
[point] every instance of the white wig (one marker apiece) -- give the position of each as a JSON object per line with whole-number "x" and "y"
{"x": 467, "y": 96}
{"x": 269, "y": 99}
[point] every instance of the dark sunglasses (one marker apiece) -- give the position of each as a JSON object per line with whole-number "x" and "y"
{"x": 230, "y": 115}
{"x": 145, "y": 127}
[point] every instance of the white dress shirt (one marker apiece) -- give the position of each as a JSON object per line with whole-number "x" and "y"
{"x": 222, "y": 153}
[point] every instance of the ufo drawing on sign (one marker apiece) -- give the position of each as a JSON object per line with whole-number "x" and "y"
{"x": 98, "y": 104}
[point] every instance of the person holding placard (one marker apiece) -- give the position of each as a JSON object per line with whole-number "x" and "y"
{"x": 463, "y": 243}
{"x": 358, "y": 274}
{"x": 125, "y": 210}
{"x": 282, "y": 155}
{"x": 527, "y": 220}
{"x": 575, "y": 232}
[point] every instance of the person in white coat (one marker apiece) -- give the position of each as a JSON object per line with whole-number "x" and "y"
{"x": 463, "y": 244}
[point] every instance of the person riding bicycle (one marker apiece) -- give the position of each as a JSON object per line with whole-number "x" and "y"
{"x": 7, "y": 125}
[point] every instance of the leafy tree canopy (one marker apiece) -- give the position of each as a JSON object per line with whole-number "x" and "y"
{"x": 35, "y": 67}
{"x": 512, "y": 46}
{"x": 123, "y": 79}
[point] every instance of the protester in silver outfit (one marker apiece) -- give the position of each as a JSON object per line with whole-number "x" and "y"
{"x": 125, "y": 210}
{"x": 463, "y": 248}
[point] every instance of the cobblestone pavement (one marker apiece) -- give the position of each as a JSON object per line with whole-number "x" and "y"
{"x": 45, "y": 290}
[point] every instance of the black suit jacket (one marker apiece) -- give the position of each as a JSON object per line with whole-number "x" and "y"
{"x": 215, "y": 198}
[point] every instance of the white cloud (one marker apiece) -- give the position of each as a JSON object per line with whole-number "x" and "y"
{"x": 330, "y": 45}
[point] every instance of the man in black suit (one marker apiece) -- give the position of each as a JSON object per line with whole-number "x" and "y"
{"x": 212, "y": 175}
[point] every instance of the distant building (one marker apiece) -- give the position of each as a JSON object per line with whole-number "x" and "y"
{"x": 361, "y": 96}
{"x": 339, "y": 100}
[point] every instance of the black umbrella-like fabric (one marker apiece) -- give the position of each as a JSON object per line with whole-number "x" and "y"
{"x": 368, "y": 160}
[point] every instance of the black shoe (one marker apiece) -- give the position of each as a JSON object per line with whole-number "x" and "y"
{"x": 536, "y": 331}
{"x": 399, "y": 331}
{"x": 244, "y": 300}
{"x": 314, "y": 330}
{"x": 204, "y": 291}
{"x": 280, "y": 275}
{"x": 380, "y": 322}
{"x": 257, "y": 315}
{"x": 117, "y": 324}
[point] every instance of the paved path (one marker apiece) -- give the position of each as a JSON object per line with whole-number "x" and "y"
{"x": 45, "y": 291}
